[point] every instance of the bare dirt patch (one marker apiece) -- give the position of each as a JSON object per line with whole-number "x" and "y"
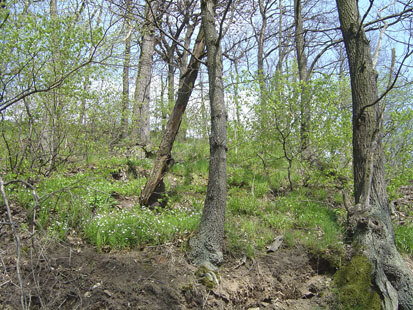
{"x": 73, "y": 275}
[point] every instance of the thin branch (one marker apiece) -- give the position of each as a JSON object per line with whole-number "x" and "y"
{"x": 382, "y": 31}
{"x": 408, "y": 54}
{"x": 35, "y": 196}
{"x": 364, "y": 17}
{"x": 17, "y": 241}
{"x": 377, "y": 51}
{"x": 398, "y": 15}
{"x": 221, "y": 25}
{"x": 325, "y": 49}
{"x": 156, "y": 24}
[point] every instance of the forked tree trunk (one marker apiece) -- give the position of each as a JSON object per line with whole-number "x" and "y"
{"x": 370, "y": 223}
{"x": 164, "y": 152}
{"x": 206, "y": 246}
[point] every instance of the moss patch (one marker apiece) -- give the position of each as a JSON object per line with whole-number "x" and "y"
{"x": 353, "y": 286}
{"x": 208, "y": 277}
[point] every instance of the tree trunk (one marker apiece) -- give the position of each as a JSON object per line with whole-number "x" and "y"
{"x": 53, "y": 110}
{"x": 171, "y": 83}
{"x": 182, "y": 65}
{"x": 237, "y": 111}
{"x": 260, "y": 54}
{"x": 206, "y": 247}
{"x": 164, "y": 152}
{"x": 86, "y": 88}
{"x": 281, "y": 47}
{"x": 125, "y": 75}
{"x": 141, "y": 123}
{"x": 370, "y": 223}
{"x": 304, "y": 77}
{"x": 204, "y": 112}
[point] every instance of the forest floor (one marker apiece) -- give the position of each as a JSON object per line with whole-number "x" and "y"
{"x": 73, "y": 274}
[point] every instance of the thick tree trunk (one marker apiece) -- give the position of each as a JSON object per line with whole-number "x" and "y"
{"x": 304, "y": 77}
{"x": 206, "y": 247}
{"x": 140, "y": 120}
{"x": 125, "y": 76}
{"x": 370, "y": 223}
{"x": 164, "y": 152}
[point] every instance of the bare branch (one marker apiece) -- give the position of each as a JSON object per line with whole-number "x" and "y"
{"x": 407, "y": 55}
{"x": 17, "y": 241}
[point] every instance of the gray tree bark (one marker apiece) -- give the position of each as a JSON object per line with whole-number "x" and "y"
{"x": 124, "y": 121}
{"x": 164, "y": 152}
{"x": 260, "y": 51}
{"x": 370, "y": 223}
{"x": 304, "y": 77}
{"x": 54, "y": 108}
{"x": 140, "y": 118}
{"x": 206, "y": 246}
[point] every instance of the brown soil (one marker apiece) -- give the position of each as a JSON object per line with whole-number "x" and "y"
{"x": 73, "y": 275}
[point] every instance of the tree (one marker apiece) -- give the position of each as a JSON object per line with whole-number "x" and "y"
{"x": 304, "y": 77}
{"x": 140, "y": 118}
{"x": 26, "y": 72}
{"x": 182, "y": 20}
{"x": 163, "y": 154}
{"x": 42, "y": 50}
{"x": 370, "y": 223}
{"x": 265, "y": 8}
{"x": 125, "y": 74}
{"x": 207, "y": 245}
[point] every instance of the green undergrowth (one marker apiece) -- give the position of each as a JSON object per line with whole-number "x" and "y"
{"x": 90, "y": 201}
{"x": 99, "y": 202}
{"x": 404, "y": 238}
{"x": 253, "y": 222}
{"x": 140, "y": 226}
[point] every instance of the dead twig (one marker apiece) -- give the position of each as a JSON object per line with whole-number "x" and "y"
{"x": 17, "y": 241}
{"x": 36, "y": 199}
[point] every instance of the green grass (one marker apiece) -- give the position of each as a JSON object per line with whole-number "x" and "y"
{"x": 242, "y": 202}
{"x": 140, "y": 226}
{"x": 254, "y": 222}
{"x": 404, "y": 238}
{"x": 247, "y": 235}
{"x": 68, "y": 200}
{"x": 86, "y": 200}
